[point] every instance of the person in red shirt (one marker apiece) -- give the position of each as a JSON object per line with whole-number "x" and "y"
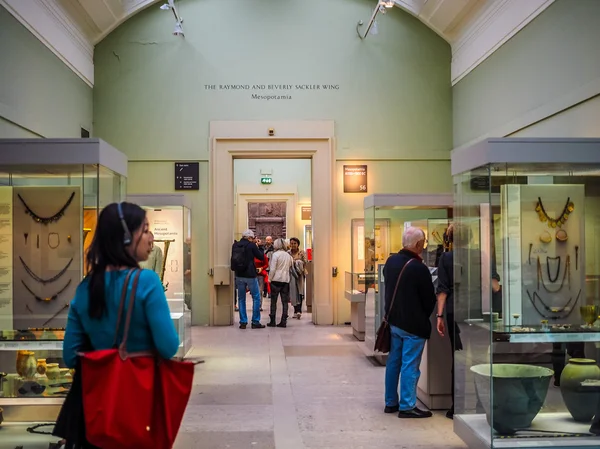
{"x": 263, "y": 276}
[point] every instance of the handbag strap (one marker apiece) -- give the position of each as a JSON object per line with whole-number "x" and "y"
{"x": 396, "y": 290}
{"x": 122, "y": 306}
{"x": 132, "y": 293}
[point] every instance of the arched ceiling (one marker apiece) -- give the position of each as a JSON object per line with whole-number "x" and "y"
{"x": 473, "y": 28}
{"x": 100, "y": 17}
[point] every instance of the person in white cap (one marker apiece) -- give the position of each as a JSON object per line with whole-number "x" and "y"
{"x": 242, "y": 263}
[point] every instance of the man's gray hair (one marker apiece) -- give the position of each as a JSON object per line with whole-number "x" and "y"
{"x": 412, "y": 236}
{"x": 248, "y": 233}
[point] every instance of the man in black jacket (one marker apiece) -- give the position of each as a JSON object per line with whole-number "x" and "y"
{"x": 411, "y": 307}
{"x": 246, "y": 277}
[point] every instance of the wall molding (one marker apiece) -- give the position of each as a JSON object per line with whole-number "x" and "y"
{"x": 50, "y": 23}
{"x": 494, "y": 26}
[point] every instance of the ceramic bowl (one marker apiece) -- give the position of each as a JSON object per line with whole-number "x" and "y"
{"x": 517, "y": 395}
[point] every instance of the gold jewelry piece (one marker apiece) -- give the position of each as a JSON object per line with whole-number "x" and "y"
{"x": 561, "y": 235}
{"x": 545, "y": 237}
{"x": 558, "y": 221}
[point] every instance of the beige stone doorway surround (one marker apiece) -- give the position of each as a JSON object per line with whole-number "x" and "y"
{"x": 231, "y": 140}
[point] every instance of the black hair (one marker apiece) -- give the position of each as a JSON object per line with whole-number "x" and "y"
{"x": 108, "y": 248}
{"x": 295, "y": 239}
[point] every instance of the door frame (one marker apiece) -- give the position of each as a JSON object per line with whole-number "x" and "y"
{"x": 251, "y": 139}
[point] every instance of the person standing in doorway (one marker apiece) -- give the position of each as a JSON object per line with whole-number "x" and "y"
{"x": 268, "y": 250}
{"x": 243, "y": 254}
{"x": 298, "y": 273}
{"x": 408, "y": 285}
{"x": 279, "y": 274}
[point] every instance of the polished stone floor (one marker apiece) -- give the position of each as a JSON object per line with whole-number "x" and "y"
{"x": 304, "y": 386}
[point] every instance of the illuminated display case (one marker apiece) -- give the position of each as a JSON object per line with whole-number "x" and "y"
{"x": 51, "y": 191}
{"x": 527, "y": 271}
{"x": 170, "y": 219}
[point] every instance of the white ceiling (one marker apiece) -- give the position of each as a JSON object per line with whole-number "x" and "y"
{"x": 474, "y": 28}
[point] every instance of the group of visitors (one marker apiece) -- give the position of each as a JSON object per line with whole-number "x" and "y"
{"x": 277, "y": 269}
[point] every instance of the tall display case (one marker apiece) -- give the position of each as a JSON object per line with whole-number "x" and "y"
{"x": 170, "y": 219}
{"x": 51, "y": 191}
{"x": 527, "y": 271}
{"x": 386, "y": 218}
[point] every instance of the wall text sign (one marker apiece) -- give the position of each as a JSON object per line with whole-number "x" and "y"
{"x": 273, "y": 91}
{"x": 355, "y": 179}
{"x": 187, "y": 176}
{"x": 306, "y": 212}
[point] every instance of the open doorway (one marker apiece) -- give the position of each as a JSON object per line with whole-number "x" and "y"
{"x": 231, "y": 141}
{"x": 272, "y": 197}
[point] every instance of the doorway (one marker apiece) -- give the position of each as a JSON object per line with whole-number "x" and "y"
{"x": 250, "y": 140}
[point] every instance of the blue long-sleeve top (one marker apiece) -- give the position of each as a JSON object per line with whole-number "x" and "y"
{"x": 151, "y": 326}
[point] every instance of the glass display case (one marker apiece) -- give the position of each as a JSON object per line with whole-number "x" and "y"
{"x": 355, "y": 291}
{"x": 51, "y": 191}
{"x": 386, "y": 218}
{"x": 170, "y": 219}
{"x": 527, "y": 271}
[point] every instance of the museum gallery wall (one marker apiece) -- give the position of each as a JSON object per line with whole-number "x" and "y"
{"x": 407, "y": 135}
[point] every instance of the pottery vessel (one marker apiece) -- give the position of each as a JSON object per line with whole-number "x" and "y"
{"x": 580, "y": 403}
{"x": 518, "y": 393}
{"x": 41, "y": 367}
{"x": 52, "y": 371}
{"x": 29, "y": 366}
{"x": 21, "y": 357}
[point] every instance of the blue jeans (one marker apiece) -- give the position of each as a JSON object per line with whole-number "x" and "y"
{"x": 405, "y": 355}
{"x": 252, "y": 284}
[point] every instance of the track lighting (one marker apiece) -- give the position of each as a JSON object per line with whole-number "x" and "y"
{"x": 178, "y": 31}
{"x": 381, "y": 7}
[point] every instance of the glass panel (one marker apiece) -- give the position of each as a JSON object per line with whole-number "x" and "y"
{"x": 171, "y": 260}
{"x": 527, "y": 277}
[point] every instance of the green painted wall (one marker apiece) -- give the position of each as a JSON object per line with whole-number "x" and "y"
{"x": 394, "y": 97}
{"x": 393, "y": 103}
{"x": 549, "y": 66}
{"x": 39, "y": 95}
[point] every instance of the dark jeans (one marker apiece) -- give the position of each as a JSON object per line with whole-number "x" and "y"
{"x": 298, "y": 307}
{"x": 280, "y": 289}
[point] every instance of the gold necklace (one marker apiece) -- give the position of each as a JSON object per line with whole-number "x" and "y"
{"x": 554, "y": 222}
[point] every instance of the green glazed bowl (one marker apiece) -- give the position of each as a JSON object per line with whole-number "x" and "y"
{"x": 512, "y": 395}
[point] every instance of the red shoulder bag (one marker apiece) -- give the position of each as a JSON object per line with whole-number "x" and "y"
{"x": 133, "y": 400}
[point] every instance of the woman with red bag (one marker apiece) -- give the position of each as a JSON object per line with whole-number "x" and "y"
{"x": 118, "y": 305}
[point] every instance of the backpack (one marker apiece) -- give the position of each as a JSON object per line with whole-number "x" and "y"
{"x": 239, "y": 257}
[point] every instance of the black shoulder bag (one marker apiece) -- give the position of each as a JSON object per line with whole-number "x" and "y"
{"x": 384, "y": 335}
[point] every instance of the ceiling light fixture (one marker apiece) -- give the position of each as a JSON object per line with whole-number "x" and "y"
{"x": 382, "y": 7}
{"x": 178, "y": 20}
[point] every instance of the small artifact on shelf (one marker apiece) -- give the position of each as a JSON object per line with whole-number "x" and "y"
{"x": 523, "y": 329}
{"x": 41, "y": 367}
{"x": 589, "y": 314}
{"x": 53, "y": 371}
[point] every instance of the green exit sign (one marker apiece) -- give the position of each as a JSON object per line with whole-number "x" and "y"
{"x": 266, "y": 180}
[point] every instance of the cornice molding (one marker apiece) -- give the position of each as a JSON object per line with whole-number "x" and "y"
{"x": 494, "y": 26}
{"x": 47, "y": 21}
